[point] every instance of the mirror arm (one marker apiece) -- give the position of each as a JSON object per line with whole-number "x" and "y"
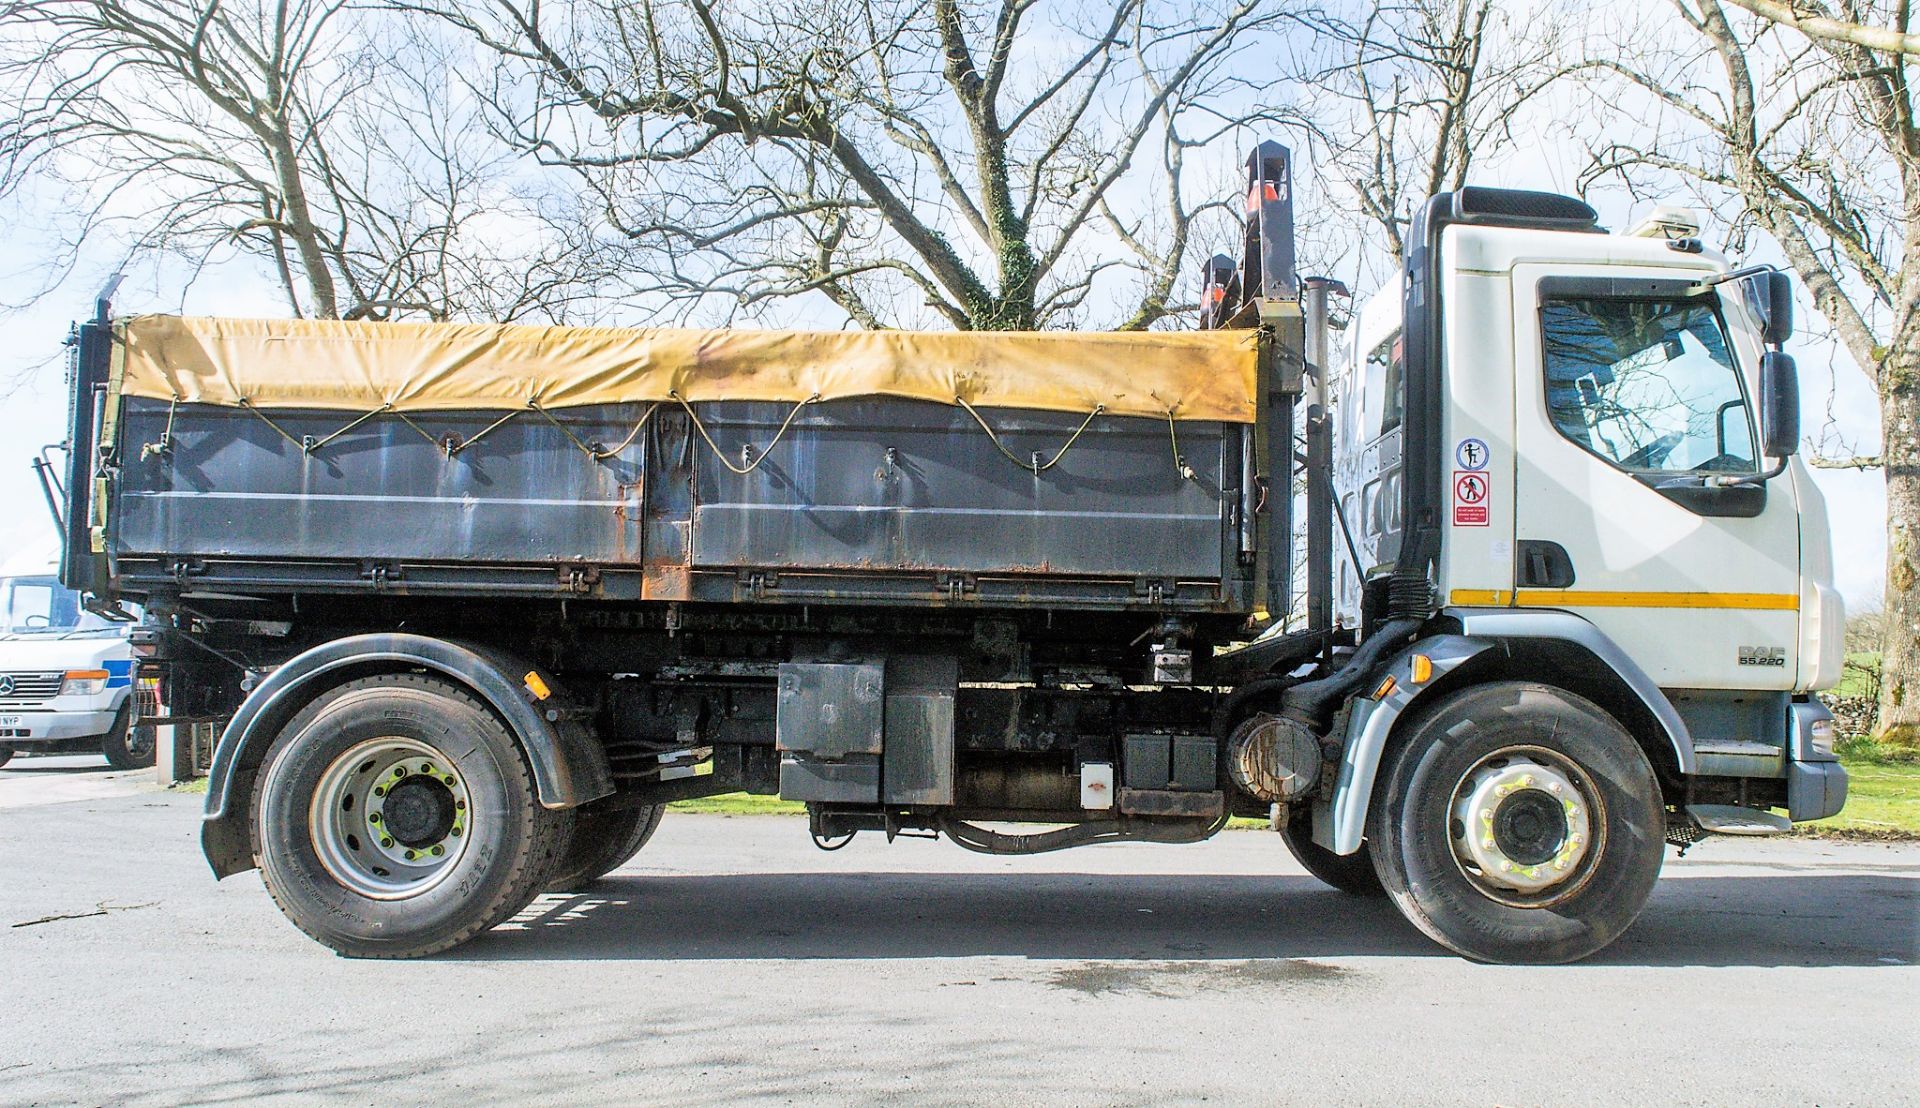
{"x": 1779, "y": 467}
{"x": 1739, "y": 274}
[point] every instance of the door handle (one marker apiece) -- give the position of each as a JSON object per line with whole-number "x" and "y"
{"x": 1542, "y": 564}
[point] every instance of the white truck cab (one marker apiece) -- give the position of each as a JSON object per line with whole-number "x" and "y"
{"x": 66, "y": 674}
{"x": 1607, "y": 474}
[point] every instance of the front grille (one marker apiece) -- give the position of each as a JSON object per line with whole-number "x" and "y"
{"x": 29, "y": 688}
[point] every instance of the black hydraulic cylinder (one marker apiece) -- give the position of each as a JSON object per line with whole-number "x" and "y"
{"x": 1319, "y": 435}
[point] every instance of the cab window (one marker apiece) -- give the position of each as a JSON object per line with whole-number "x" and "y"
{"x": 1385, "y": 394}
{"x": 1649, "y": 385}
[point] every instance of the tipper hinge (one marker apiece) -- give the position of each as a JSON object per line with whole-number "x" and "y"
{"x": 380, "y": 574}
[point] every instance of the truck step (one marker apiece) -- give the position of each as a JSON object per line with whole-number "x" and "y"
{"x": 1731, "y": 819}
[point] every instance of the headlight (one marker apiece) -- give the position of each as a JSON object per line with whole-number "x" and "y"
{"x": 84, "y": 682}
{"x": 1822, "y": 735}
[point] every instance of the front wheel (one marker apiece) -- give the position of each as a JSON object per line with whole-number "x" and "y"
{"x": 127, "y": 747}
{"x": 397, "y": 817}
{"x": 1518, "y": 823}
{"x": 1352, "y": 874}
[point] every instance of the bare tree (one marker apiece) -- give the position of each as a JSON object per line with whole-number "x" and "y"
{"x": 307, "y": 135}
{"x": 1814, "y": 141}
{"x": 1007, "y": 166}
{"x": 1414, "y": 95}
{"x": 1816, "y": 21}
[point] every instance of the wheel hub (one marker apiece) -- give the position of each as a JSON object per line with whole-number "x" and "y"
{"x": 419, "y": 811}
{"x": 389, "y": 818}
{"x": 1522, "y": 823}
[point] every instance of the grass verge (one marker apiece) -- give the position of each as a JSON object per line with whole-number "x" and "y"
{"x": 1883, "y": 802}
{"x": 740, "y": 804}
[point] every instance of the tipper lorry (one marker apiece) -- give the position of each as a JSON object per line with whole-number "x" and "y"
{"x": 472, "y": 603}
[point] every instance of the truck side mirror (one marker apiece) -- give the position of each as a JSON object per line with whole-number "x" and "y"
{"x": 1779, "y": 405}
{"x": 1771, "y": 294}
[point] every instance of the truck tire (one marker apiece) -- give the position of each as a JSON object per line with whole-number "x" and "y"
{"x": 1565, "y": 817}
{"x": 6, "y": 755}
{"x": 396, "y": 817}
{"x": 1352, "y": 874}
{"x": 126, "y": 746}
{"x": 604, "y": 837}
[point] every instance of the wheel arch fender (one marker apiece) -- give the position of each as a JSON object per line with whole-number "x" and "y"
{"x": 1554, "y": 648}
{"x": 569, "y": 768}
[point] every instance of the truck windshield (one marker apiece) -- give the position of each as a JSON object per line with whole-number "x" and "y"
{"x": 42, "y": 606}
{"x": 1649, "y": 385}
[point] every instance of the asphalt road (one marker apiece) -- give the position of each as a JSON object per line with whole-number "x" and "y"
{"x": 733, "y": 961}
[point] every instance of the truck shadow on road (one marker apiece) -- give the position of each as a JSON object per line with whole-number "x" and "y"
{"x": 1853, "y": 919}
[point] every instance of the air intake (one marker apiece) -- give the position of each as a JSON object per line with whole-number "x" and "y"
{"x": 1546, "y": 211}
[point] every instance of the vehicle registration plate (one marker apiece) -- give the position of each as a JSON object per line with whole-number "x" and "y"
{"x": 9, "y": 721}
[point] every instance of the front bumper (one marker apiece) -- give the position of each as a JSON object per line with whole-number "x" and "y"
{"x": 1816, "y": 782}
{"x": 1815, "y": 790}
{"x": 23, "y": 729}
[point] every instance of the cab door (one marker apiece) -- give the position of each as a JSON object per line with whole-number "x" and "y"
{"x": 1634, "y": 405}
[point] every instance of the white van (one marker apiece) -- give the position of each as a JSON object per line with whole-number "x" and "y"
{"x": 66, "y": 674}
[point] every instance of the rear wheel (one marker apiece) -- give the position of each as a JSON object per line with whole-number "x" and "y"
{"x": 396, "y": 817}
{"x": 1519, "y": 823}
{"x": 604, "y": 837}
{"x": 126, "y": 746}
{"x": 1352, "y": 874}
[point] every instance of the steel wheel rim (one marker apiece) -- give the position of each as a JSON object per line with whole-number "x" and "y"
{"x": 1503, "y": 840}
{"x": 392, "y": 854}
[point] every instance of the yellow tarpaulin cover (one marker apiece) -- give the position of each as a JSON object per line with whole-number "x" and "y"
{"x": 1206, "y": 375}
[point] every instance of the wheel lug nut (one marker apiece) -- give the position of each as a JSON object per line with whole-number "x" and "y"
{"x": 379, "y": 790}
{"x": 460, "y": 804}
{"x": 386, "y": 842}
{"x": 409, "y": 855}
{"x": 1527, "y": 780}
{"x": 439, "y": 850}
{"x": 455, "y": 832}
{"x": 450, "y": 779}
{"x": 373, "y": 817}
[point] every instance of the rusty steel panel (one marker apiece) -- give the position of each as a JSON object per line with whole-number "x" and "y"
{"x": 882, "y": 501}
{"x": 230, "y": 484}
{"x": 911, "y": 486}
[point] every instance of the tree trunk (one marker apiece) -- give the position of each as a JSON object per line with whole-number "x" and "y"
{"x": 1900, "y": 649}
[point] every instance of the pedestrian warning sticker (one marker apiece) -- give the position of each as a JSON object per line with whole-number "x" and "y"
{"x": 1470, "y": 499}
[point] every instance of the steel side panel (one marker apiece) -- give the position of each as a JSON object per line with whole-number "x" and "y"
{"x": 232, "y": 485}
{"x": 914, "y": 486}
{"x": 867, "y": 486}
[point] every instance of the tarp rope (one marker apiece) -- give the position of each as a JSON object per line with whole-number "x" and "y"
{"x": 1033, "y": 463}
{"x": 746, "y": 450}
{"x": 1036, "y": 463}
